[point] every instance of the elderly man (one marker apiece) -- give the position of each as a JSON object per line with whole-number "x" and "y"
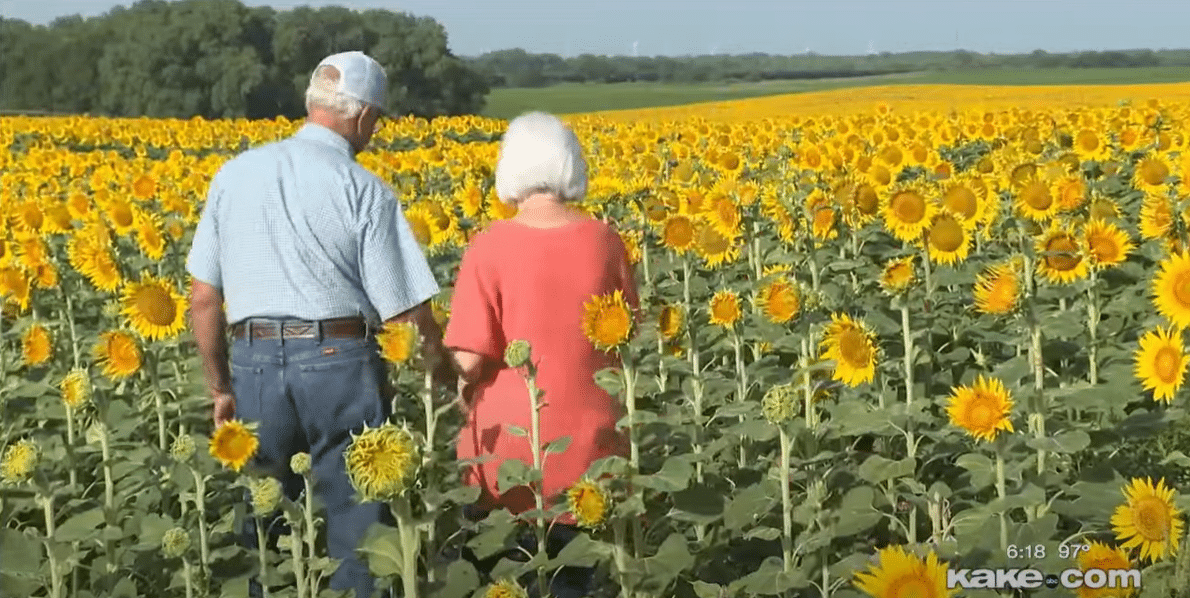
{"x": 311, "y": 253}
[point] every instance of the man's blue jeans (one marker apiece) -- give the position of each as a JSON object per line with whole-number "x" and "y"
{"x": 310, "y": 395}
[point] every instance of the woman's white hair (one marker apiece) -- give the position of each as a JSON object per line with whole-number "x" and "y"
{"x": 322, "y": 94}
{"x": 540, "y": 154}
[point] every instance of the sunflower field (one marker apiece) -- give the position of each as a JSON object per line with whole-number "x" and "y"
{"x": 879, "y": 341}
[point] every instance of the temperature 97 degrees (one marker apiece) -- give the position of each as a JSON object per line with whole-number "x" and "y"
{"x": 1038, "y": 551}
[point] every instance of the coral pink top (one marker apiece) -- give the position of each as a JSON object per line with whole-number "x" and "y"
{"x": 519, "y": 282}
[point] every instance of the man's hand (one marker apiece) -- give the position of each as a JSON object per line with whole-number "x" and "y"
{"x": 225, "y": 408}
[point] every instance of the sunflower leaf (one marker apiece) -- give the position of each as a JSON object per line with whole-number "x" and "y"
{"x": 382, "y": 550}
{"x": 558, "y": 446}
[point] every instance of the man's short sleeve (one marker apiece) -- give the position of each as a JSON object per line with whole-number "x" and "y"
{"x": 203, "y": 261}
{"x": 393, "y": 268}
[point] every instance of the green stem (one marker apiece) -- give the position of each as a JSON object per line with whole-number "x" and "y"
{"x": 109, "y": 490}
{"x": 154, "y": 377}
{"x": 538, "y": 487}
{"x": 74, "y": 478}
{"x": 741, "y": 376}
{"x": 620, "y": 558}
{"x": 428, "y": 452}
{"x": 299, "y": 562}
{"x": 1093, "y": 328}
{"x": 186, "y": 574}
{"x": 410, "y": 546}
{"x": 808, "y": 389}
{"x": 633, "y": 440}
{"x": 200, "y": 504}
{"x": 1001, "y": 491}
{"x": 74, "y": 340}
{"x": 907, "y": 338}
{"x": 786, "y": 502}
{"x": 311, "y": 531}
{"x": 262, "y": 553}
{"x": 47, "y": 504}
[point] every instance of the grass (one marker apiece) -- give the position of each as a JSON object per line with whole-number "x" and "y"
{"x": 571, "y": 98}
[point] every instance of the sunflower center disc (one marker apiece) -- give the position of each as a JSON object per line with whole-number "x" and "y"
{"x": 156, "y": 306}
{"x": 946, "y": 235}
{"x": 1151, "y": 519}
{"x": 1165, "y": 364}
{"x": 854, "y": 348}
{"x": 1064, "y": 254}
{"x": 1181, "y": 288}
{"x": 909, "y": 207}
{"x": 962, "y": 200}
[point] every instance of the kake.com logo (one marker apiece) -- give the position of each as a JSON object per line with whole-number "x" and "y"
{"x": 1029, "y": 579}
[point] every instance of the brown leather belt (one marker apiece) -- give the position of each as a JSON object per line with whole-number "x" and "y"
{"x": 272, "y": 329}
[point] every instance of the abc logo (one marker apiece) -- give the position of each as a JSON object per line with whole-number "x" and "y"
{"x": 1051, "y": 581}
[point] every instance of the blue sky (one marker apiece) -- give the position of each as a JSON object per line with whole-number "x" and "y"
{"x": 675, "y": 27}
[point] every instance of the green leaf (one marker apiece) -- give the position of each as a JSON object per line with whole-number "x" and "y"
{"x": 750, "y": 504}
{"x": 582, "y": 551}
{"x": 698, "y": 504}
{"x": 495, "y": 536}
{"x": 708, "y": 590}
{"x": 79, "y": 527}
{"x": 856, "y": 514}
{"x": 610, "y": 380}
{"x": 20, "y": 553}
{"x": 770, "y": 579}
{"x": 763, "y": 533}
{"x": 558, "y": 446}
{"x": 675, "y": 475}
{"x": 513, "y": 473}
{"x": 462, "y": 580}
{"x": 878, "y": 469}
{"x": 517, "y": 431}
{"x": 983, "y": 470}
{"x": 670, "y": 560}
{"x": 381, "y": 550}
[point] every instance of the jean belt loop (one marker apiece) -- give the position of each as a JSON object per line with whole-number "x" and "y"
{"x": 318, "y": 332}
{"x": 248, "y": 330}
{"x": 280, "y": 322}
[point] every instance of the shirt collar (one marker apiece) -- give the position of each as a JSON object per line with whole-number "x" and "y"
{"x": 320, "y": 134}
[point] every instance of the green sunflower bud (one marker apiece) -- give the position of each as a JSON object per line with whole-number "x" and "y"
{"x": 517, "y": 353}
{"x": 780, "y": 403}
{"x": 182, "y": 448}
{"x": 175, "y": 543}
{"x": 300, "y": 463}
{"x": 266, "y": 495}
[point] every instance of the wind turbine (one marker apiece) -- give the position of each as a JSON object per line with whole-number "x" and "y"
{"x": 635, "y": 46}
{"x": 871, "y": 47}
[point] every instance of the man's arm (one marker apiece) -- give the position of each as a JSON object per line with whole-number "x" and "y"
{"x": 209, "y": 325}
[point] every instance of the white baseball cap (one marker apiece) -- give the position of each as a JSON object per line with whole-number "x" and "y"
{"x": 360, "y": 77}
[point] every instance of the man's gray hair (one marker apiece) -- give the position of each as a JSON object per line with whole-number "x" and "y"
{"x": 322, "y": 94}
{"x": 540, "y": 154}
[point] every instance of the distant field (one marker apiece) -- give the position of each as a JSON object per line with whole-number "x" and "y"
{"x": 575, "y": 98}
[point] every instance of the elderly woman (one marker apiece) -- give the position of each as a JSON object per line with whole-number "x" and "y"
{"x": 527, "y": 278}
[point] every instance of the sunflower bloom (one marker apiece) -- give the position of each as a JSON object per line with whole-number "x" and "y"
{"x": 589, "y": 503}
{"x": 852, "y": 347}
{"x": 1171, "y": 290}
{"x": 607, "y": 321}
{"x": 398, "y": 341}
{"x": 76, "y": 389}
{"x": 19, "y": 462}
{"x": 948, "y": 241}
{"x": 1104, "y": 558}
{"x": 1060, "y": 256}
{"x": 118, "y": 353}
{"x": 1161, "y": 362}
{"x": 381, "y": 462}
{"x": 670, "y": 322}
{"x": 897, "y": 276}
{"x": 505, "y": 588}
{"x": 1108, "y": 244}
{"x": 998, "y": 289}
{"x": 233, "y": 444}
{"x": 36, "y": 347}
{"x": 779, "y": 300}
{"x": 982, "y": 409}
{"x": 907, "y": 214}
{"x": 677, "y": 233}
{"x": 902, "y": 574}
{"x": 154, "y": 308}
{"x": 725, "y": 308}
{"x": 1148, "y": 520}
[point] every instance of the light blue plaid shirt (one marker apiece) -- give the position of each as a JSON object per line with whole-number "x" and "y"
{"x": 299, "y": 229}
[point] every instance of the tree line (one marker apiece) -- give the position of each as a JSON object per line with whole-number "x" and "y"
{"x": 518, "y": 68}
{"x": 222, "y": 59}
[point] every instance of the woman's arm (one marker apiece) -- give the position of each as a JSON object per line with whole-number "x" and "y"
{"x": 470, "y": 366}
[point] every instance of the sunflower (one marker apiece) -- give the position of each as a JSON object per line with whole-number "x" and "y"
{"x": 670, "y": 322}
{"x": 1037, "y": 199}
{"x": 1161, "y": 362}
{"x": 1071, "y": 192}
{"x": 982, "y": 409}
{"x": 852, "y": 348}
{"x": 723, "y": 214}
{"x": 505, "y": 588}
{"x": 1156, "y": 217}
{"x": 1151, "y": 174}
{"x": 19, "y": 462}
{"x": 154, "y": 308}
{"x": 677, "y": 233}
{"x": 149, "y": 236}
{"x": 472, "y": 201}
{"x": 902, "y": 574}
{"x": 1107, "y": 243}
{"x": 118, "y": 353}
{"x": 1104, "y": 558}
{"x": 1148, "y": 519}
{"x": 713, "y": 247}
{"x": 589, "y": 503}
{"x": 1089, "y": 145}
{"x": 948, "y": 240}
{"x": 778, "y": 300}
{"x": 725, "y": 308}
{"x": 266, "y": 495}
{"x": 36, "y": 347}
{"x": 398, "y": 341}
{"x": 418, "y": 218}
{"x": 1060, "y": 256}
{"x": 897, "y": 275}
{"x": 233, "y": 444}
{"x": 1171, "y": 289}
{"x": 821, "y": 215}
{"x": 998, "y": 289}
{"x": 15, "y": 287}
{"x": 76, "y": 388}
{"x": 607, "y": 321}
{"x": 907, "y": 214}
{"x": 966, "y": 199}
{"x": 382, "y": 462}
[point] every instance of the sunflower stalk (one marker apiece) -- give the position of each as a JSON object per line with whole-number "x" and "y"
{"x": 535, "y": 406}
{"x": 200, "y": 505}
{"x": 310, "y": 530}
{"x": 431, "y": 416}
{"x": 188, "y": 576}
{"x": 109, "y": 489}
{"x": 1093, "y": 329}
{"x": 410, "y": 537}
{"x": 786, "y": 501}
{"x": 47, "y": 506}
{"x": 158, "y": 403}
{"x": 633, "y": 440}
{"x": 74, "y": 341}
{"x": 808, "y": 390}
{"x": 262, "y": 553}
{"x": 741, "y": 375}
{"x": 696, "y": 368}
{"x": 70, "y": 435}
{"x": 907, "y": 337}
{"x": 299, "y": 562}
{"x": 620, "y": 558}
{"x": 1002, "y": 492}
